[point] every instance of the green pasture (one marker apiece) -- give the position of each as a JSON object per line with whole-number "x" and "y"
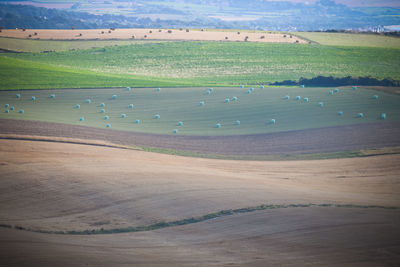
{"x": 350, "y": 39}
{"x": 22, "y": 74}
{"x": 254, "y": 110}
{"x": 210, "y": 63}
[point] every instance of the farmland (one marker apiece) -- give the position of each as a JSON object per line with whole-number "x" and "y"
{"x": 243, "y": 174}
{"x": 348, "y": 39}
{"x": 200, "y": 63}
{"x": 34, "y": 46}
{"x": 63, "y": 187}
{"x": 254, "y": 110}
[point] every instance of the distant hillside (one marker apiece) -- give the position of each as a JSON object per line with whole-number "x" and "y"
{"x": 245, "y": 14}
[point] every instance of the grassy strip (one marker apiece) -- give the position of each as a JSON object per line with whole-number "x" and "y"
{"x": 36, "y": 46}
{"x": 210, "y": 216}
{"x": 65, "y": 141}
{"x": 315, "y": 156}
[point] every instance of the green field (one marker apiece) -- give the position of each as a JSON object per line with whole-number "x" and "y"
{"x": 254, "y": 111}
{"x": 349, "y": 39}
{"x": 203, "y": 63}
{"x": 22, "y": 74}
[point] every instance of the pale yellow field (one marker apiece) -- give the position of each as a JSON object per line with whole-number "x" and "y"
{"x": 144, "y": 34}
{"x": 351, "y": 39}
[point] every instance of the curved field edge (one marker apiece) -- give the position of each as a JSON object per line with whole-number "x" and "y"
{"x": 192, "y": 220}
{"x": 373, "y": 139}
{"x": 314, "y": 156}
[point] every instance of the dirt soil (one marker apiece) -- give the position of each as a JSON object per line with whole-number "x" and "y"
{"x": 144, "y": 34}
{"x": 321, "y": 140}
{"x": 58, "y": 186}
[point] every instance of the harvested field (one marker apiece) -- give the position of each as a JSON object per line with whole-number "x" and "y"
{"x": 254, "y": 110}
{"x": 144, "y": 34}
{"x": 67, "y": 186}
{"x": 321, "y": 140}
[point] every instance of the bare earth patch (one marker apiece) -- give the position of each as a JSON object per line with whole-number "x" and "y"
{"x": 152, "y": 34}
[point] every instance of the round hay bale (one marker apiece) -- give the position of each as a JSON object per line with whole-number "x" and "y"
{"x": 21, "y": 111}
{"x": 88, "y": 101}
{"x": 180, "y": 123}
{"x": 272, "y": 121}
{"x": 360, "y": 115}
{"x": 6, "y": 105}
{"x": 81, "y": 119}
{"x": 375, "y": 97}
{"x": 298, "y": 97}
{"x": 137, "y": 121}
{"x": 208, "y": 92}
{"x": 128, "y": 89}
{"x": 102, "y": 110}
{"x": 251, "y": 89}
{"x": 11, "y": 108}
{"x": 237, "y": 122}
{"x": 321, "y": 104}
{"x": 331, "y": 92}
{"x": 102, "y": 105}
{"x": 157, "y": 116}
{"x": 33, "y": 98}
{"x": 114, "y": 97}
{"x": 175, "y": 131}
{"x": 52, "y": 96}
{"x": 305, "y": 99}
{"x": 18, "y": 95}
{"x": 354, "y": 87}
{"x": 242, "y": 86}
{"x": 158, "y": 89}
{"x": 234, "y": 98}
{"x": 77, "y": 106}
{"x": 218, "y": 125}
{"x": 7, "y": 111}
{"x": 227, "y": 100}
{"x": 340, "y": 113}
{"x": 210, "y": 89}
{"x": 108, "y": 125}
{"x": 287, "y": 97}
{"x": 123, "y": 115}
{"x": 336, "y": 90}
{"x": 130, "y": 106}
{"x": 202, "y": 103}
{"x": 106, "y": 117}
{"x": 383, "y": 116}
{"x": 249, "y": 92}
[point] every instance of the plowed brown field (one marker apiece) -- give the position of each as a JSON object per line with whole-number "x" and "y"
{"x": 321, "y": 140}
{"x": 57, "y": 186}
